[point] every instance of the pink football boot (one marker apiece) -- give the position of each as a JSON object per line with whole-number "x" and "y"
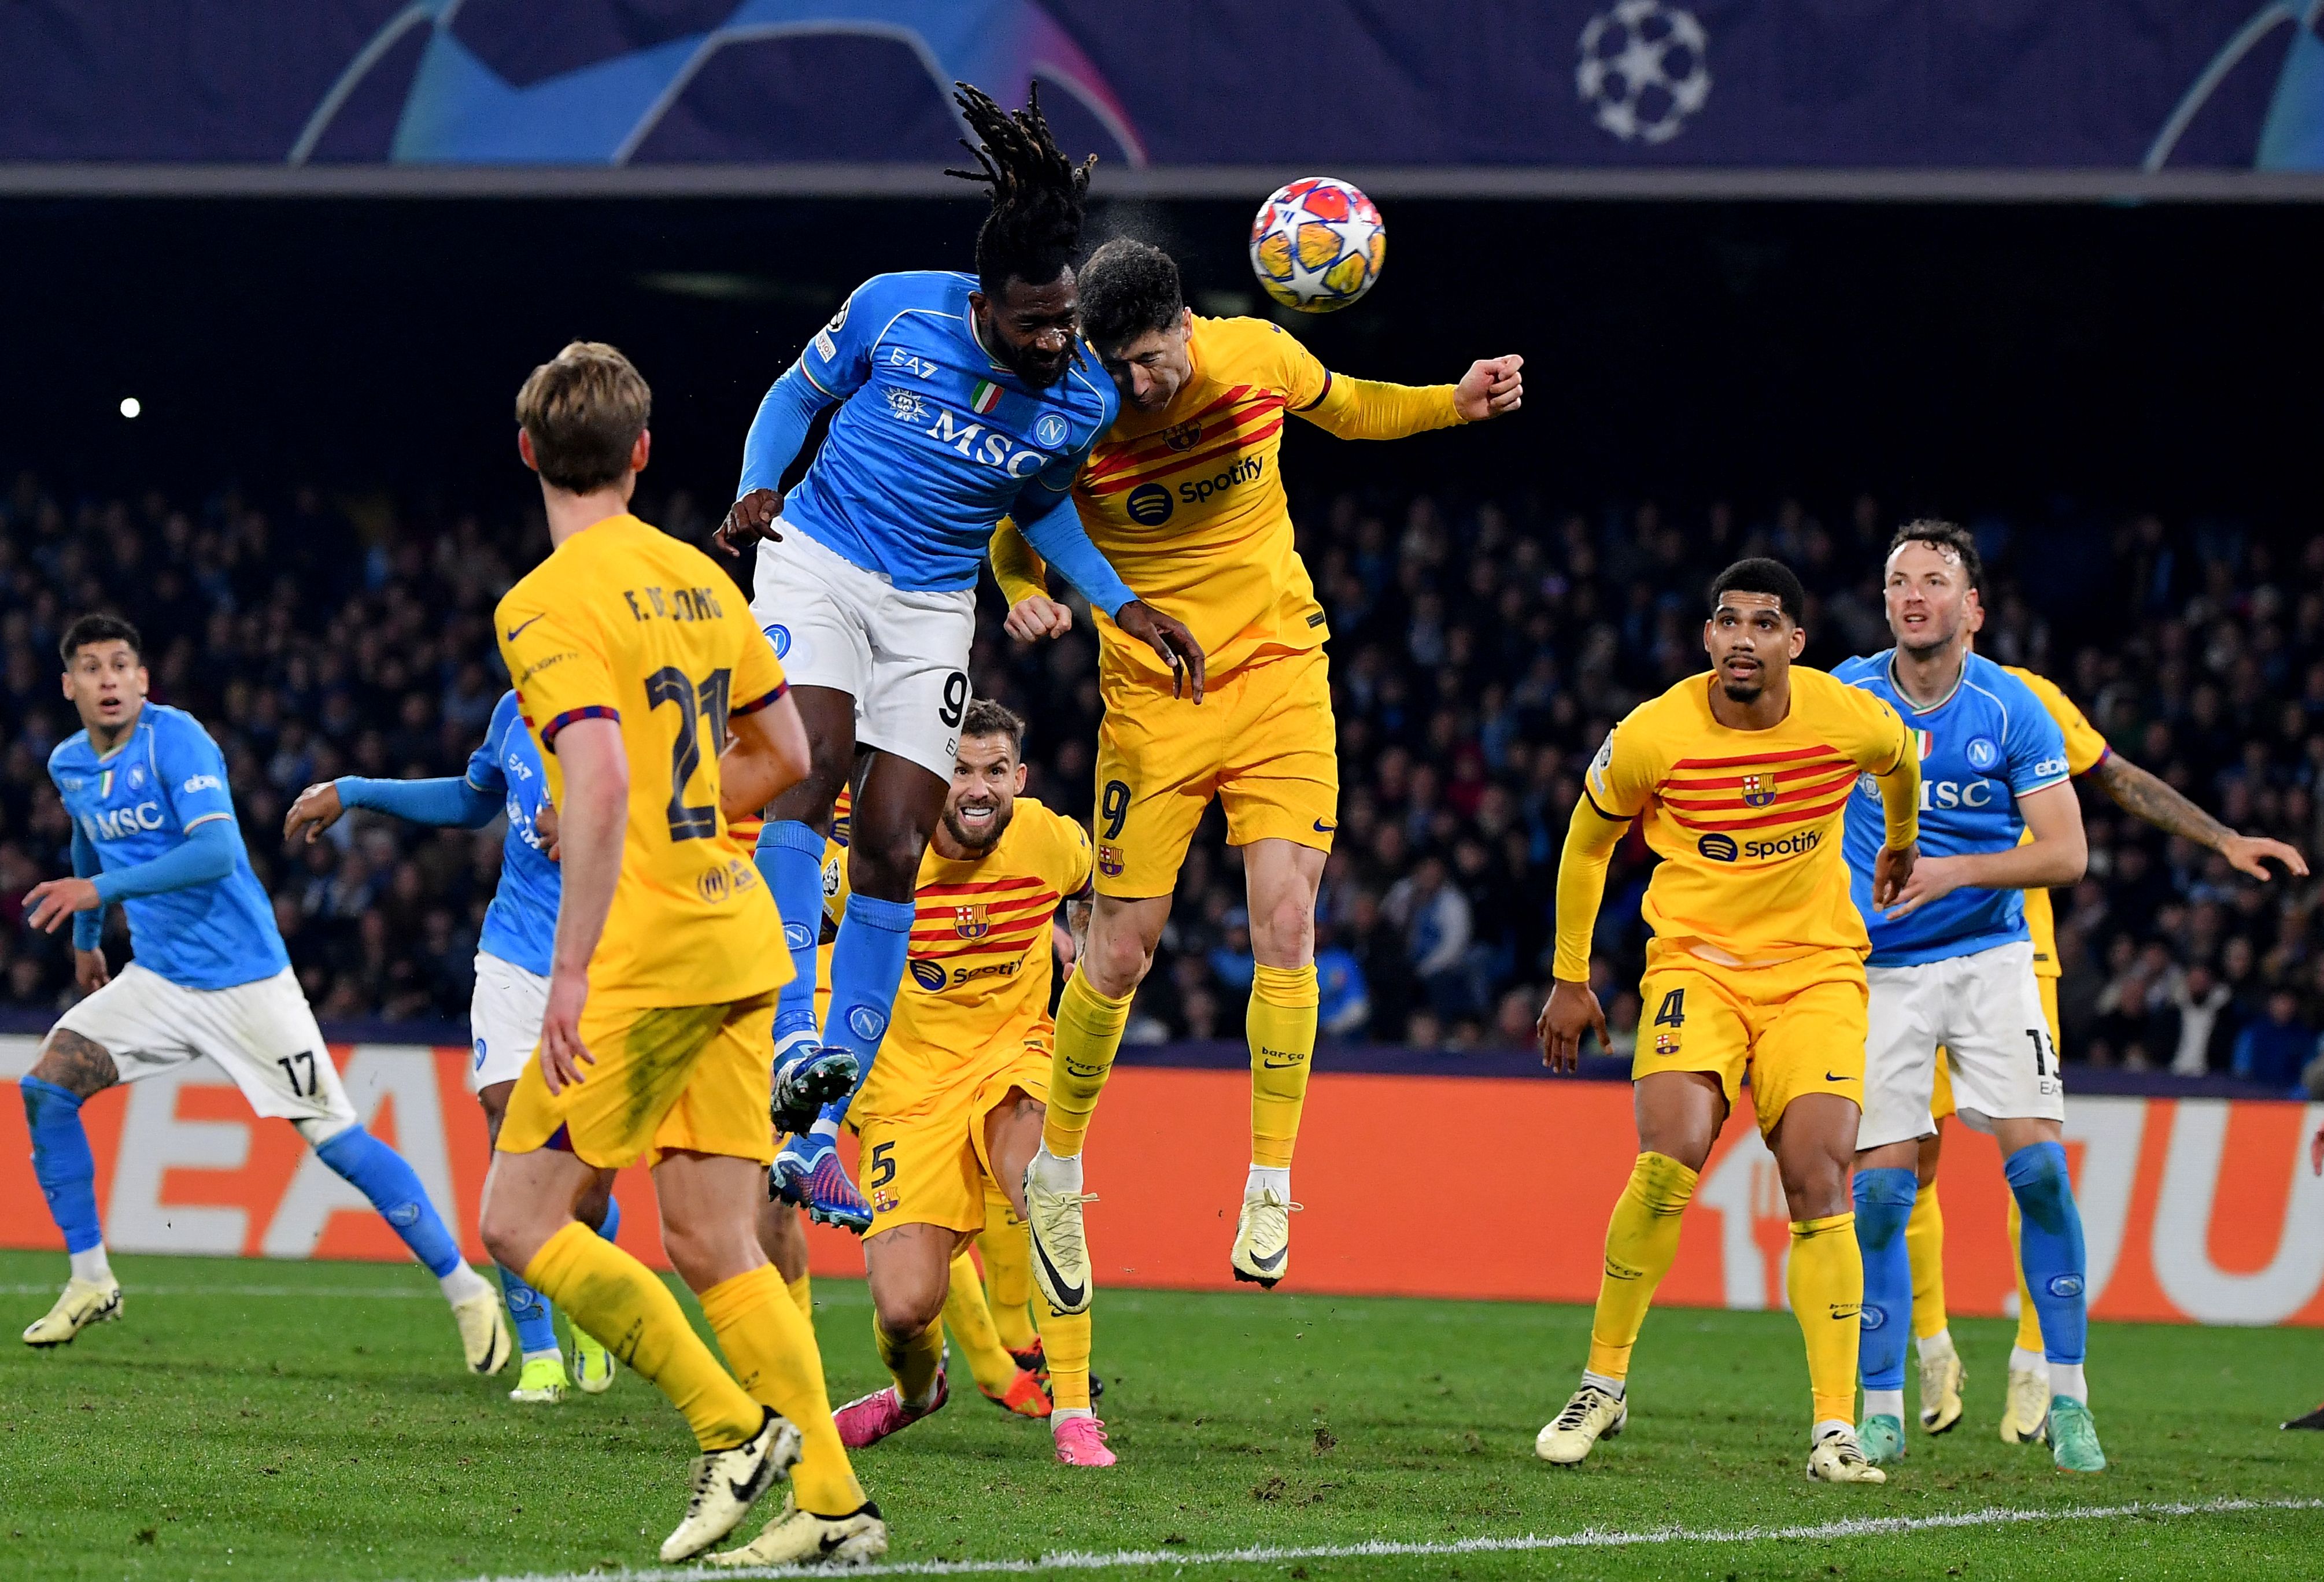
{"x": 869, "y": 1418}
{"x": 1080, "y": 1442}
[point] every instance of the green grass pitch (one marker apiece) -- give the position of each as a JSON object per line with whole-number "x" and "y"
{"x": 250, "y": 1420}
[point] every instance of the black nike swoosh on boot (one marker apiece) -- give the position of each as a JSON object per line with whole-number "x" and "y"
{"x": 1072, "y": 1294}
{"x": 1274, "y": 1261}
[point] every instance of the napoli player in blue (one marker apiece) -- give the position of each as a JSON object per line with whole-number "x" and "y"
{"x": 1953, "y": 968}
{"x": 155, "y": 829}
{"x": 504, "y": 775}
{"x": 961, "y": 400}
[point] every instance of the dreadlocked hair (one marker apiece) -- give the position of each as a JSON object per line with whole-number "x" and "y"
{"x": 1036, "y": 195}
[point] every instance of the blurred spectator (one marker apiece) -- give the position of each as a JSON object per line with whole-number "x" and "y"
{"x": 2275, "y": 1050}
{"x": 1344, "y": 1007}
{"x": 1480, "y": 651}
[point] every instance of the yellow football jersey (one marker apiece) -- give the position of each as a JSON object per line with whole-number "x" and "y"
{"x": 2085, "y": 749}
{"x": 623, "y": 623}
{"x": 1188, "y": 503}
{"x": 978, "y": 970}
{"x": 1748, "y": 823}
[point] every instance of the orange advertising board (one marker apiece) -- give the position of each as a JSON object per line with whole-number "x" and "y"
{"x": 2197, "y": 1211}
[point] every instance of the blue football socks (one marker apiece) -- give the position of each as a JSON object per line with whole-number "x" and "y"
{"x": 609, "y": 1228}
{"x": 866, "y": 964}
{"x": 2049, "y": 1242}
{"x": 531, "y": 1315}
{"x": 61, "y": 1161}
{"x": 1884, "y": 1202}
{"x": 381, "y": 1175}
{"x": 790, "y": 860}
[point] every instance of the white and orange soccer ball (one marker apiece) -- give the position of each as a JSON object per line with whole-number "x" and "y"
{"x": 1317, "y": 244}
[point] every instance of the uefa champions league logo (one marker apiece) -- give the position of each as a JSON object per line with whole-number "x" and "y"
{"x": 1643, "y": 70}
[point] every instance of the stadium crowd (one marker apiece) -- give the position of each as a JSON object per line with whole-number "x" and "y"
{"x": 1480, "y": 651}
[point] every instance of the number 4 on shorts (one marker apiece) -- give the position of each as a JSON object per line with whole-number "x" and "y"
{"x": 1673, "y": 1010}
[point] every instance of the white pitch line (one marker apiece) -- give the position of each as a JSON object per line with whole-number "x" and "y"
{"x": 1589, "y": 1538}
{"x": 383, "y": 1293}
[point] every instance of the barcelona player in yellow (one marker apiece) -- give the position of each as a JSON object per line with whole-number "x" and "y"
{"x": 1740, "y": 780}
{"x": 952, "y": 1112}
{"x": 659, "y": 710}
{"x": 2091, "y": 760}
{"x": 1186, "y": 488}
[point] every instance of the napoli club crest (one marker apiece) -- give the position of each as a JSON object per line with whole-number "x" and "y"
{"x": 1050, "y": 431}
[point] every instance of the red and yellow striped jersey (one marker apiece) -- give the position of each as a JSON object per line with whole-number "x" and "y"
{"x": 978, "y": 969}
{"x": 1188, "y": 503}
{"x": 1748, "y": 823}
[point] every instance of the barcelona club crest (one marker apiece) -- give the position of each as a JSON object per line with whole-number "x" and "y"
{"x": 1665, "y": 1044}
{"x": 1183, "y": 436}
{"x": 1108, "y": 862}
{"x": 969, "y": 922}
{"x": 1758, "y": 790}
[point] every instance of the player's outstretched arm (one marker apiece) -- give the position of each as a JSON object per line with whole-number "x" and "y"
{"x": 446, "y": 802}
{"x": 765, "y": 756}
{"x": 2057, "y": 855}
{"x": 785, "y": 413}
{"x": 1573, "y": 1009}
{"x": 2150, "y": 798}
{"x": 205, "y": 856}
{"x": 595, "y": 809}
{"x": 1053, "y": 526}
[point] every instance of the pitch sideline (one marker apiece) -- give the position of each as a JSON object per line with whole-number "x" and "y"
{"x": 1589, "y": 1538}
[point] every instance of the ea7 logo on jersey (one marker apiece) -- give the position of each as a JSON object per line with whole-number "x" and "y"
{"x": 198, "y": 783}
{"x": 118, "y": 823}
{"x": 991, "y": 450}
{"x": 918, "y": 367}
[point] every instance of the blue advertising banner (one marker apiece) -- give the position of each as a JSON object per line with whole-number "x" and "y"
{"x": 2022, "y": 86}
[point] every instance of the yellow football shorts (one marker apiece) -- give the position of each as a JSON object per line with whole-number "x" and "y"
{"x": 932, "y": 1166}
{"x": 688, "y": 1077}
{"x": 1262, "y": 740}
{"x": 1940, "y": 1100}
{"x": 1796, "y": 1027}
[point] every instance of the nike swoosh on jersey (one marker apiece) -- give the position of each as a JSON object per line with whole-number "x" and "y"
{"x": 1072, "y": 1294}
{"x": 510, "y": 634}
{"x": 1324, "y": 828}
{"x": 1836, "y": 1077}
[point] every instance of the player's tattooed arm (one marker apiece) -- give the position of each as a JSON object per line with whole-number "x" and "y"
{"x": 75, "y": 1064}
{"x": 2149, "y": 797}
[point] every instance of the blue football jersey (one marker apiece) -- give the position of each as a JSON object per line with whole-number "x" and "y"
{"x": 522, "y": 921}
{"x": 1987, "y": 744}
{"x": 934, "y": 439}
{"x": 138, "y": 803}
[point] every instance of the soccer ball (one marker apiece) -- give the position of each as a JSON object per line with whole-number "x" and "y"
{"x": 1317, "y": 244}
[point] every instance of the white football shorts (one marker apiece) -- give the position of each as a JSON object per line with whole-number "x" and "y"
{"x": 503, "y": 1019}
{"x": 1984, "y": 1010}
{"x": 261, "y": 1033}
{"x": 902, "y": 656}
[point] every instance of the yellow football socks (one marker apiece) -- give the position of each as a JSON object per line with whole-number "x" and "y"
{"x": 1008, "y": 1275}
{"x": 1066, "y": 1339}
{"x": 912, "y": 1360}
{"x": 971, "y": 1323}
{"x": 1924, "y": 1245}
{"x": 1089, "y": 1036}
{"x": 773, "y": 1350}
{"x": 1281, "y": 1023}
{"x": 608, "y": 1292}
{"x": 2029, "y": 1317}
{"x": 1826, "y": 1285}
{"x": 802, "y": 1292}
{"x": 1641, "y": 1243}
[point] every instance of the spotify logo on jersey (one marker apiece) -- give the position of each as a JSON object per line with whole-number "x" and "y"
{"x": 1149, "y": 504}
